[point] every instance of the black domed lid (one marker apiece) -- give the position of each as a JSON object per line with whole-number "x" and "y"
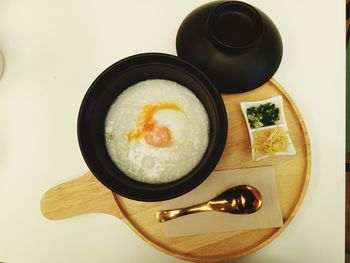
{"x": 236, "y": 45}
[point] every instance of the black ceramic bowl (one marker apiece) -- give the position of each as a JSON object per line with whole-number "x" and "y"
{"x": 235, "y": 44}
{"x": 106, "y": 88}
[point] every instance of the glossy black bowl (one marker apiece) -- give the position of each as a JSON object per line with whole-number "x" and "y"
{"x": 235, "y": 44}
{"x": 106, "y": 88}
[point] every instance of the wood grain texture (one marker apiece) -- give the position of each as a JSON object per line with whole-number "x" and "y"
{"x": 79, "y": 196}
{"x": 292, "y": 176}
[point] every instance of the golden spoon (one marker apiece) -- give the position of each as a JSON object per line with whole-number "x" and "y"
{"x": 242, "y": 199}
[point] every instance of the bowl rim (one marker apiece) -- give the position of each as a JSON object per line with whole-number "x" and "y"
{"x": 223, "y": 7}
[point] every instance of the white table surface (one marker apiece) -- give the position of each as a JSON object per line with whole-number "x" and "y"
{"x": 55, "y": 49}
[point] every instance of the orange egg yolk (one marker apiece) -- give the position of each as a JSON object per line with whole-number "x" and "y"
{"x": 154, "y": 134}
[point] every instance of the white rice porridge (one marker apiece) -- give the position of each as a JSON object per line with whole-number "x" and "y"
{"x": 156, "y": 131}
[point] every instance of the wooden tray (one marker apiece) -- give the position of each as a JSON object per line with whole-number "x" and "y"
{"x": 87, "y": 195}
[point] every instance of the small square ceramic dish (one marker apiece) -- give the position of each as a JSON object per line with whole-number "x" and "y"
{"x": 260, "y": 124}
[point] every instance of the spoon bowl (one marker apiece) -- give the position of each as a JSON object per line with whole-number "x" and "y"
{"x": 242, "y": 199}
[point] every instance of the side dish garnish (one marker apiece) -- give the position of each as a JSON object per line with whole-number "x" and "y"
{"x": 263, "y": 115}
{"x": 270, "y": 141}
{"x": 267, "y": 128}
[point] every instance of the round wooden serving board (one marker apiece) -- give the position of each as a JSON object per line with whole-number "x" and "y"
{"x": 87, "y": 195}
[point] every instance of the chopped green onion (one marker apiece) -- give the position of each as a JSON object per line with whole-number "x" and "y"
{"x": 263, "y": 115}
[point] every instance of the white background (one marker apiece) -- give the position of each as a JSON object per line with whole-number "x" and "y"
{"x": 55, "y": 49}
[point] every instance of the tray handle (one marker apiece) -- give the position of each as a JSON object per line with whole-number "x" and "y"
{"x": 79, "y": 196}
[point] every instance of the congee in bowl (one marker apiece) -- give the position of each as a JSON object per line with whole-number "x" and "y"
{"x": 152, "y": 127}
{"x": 156, "y": 131}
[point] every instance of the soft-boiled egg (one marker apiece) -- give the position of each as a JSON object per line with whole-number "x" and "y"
{"x": 175, "y": 121}
{"x": 160, "y": 125}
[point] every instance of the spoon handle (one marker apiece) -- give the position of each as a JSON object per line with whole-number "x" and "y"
{"x": 166, "y": 215}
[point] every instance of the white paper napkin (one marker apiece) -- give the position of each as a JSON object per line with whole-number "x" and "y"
{"x": 269, "y": 215}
